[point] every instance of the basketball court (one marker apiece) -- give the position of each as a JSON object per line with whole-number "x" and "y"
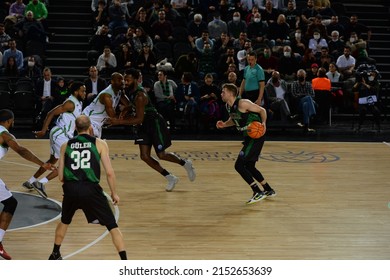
{"x": 332, "y": 203}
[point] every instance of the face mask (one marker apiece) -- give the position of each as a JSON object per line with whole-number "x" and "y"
{"x": 275, "y": 80}
{"x": 266, "y": 55}
{"x": 257, "y": 20}
{"x": 236, "y": 18}
{"x": 371, "y": 78}
{"x": 317, "y": 37}
{"x": 301, "y": 79}
{"x": 298, "y": 35}
{"x": 335, "y": 39}
{"x": 287, "y": 54}
{"x": 31, "y": 63}
{"x": 352, "y": 40}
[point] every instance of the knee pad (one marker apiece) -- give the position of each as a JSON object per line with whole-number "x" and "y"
{"x": 10, "y": 205}
{"x": 111, "y": 226}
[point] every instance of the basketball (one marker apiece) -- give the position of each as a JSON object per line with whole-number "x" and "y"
{"x": 255, "y": 130}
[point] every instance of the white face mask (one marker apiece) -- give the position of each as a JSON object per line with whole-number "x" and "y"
{"x": 298, "y": 35}
{"x": 316, "y": 37}
{"x": 335, "y": 39}
{"x": 236, "y": 18}
{"x": 287, "y": 54}
{"x": 371, "y": 78}
{"x": 31, "y": 63}
{"x": 257, "y": 20}
{"x": 352, "y": 39}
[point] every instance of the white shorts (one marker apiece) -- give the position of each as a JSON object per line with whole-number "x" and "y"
{"x": 4, "y": 191}
{"x": 57, "y": 138}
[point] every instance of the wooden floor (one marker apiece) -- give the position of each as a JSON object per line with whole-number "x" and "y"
{"x": 332, "y": 203}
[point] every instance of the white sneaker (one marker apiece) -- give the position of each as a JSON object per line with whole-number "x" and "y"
{"x": 190, "y": 170}
{"x": 172, "y": 180}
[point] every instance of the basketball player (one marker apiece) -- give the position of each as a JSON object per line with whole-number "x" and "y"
{"x": 151, "y": 131}
{"x": 59, "y": 134}
{"x": 79, "y": 170}
{"x": 105, "y": 104}
{"x": 7, "y": 140}
{"x": 241, "y": 113}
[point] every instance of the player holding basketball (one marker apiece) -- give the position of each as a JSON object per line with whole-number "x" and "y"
{"x": 7, "y": 140}
{"x": 241, "y": 113}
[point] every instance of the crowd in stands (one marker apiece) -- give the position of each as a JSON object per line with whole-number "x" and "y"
{"x": 186, "y": 50}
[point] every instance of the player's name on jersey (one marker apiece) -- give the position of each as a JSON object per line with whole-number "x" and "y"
{"x": 78, "y": 146}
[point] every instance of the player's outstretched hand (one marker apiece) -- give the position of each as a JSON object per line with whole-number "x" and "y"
{"x": 219, "y": 124}
{"x": 39, "y": 134}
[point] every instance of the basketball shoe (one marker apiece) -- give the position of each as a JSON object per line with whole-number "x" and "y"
{"x": 28, "y": 185}
{"x": 190, "y": 170}
{"x": 256, "y": 198}
{"x": 270, "y": 193}
{"x": 40, "y": 188}
{"x": 172, "y": 180}
{"x": 55, "y": 256}
{"x": 3, "y": 253}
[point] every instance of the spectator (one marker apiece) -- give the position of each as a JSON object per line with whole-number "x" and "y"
{"x": 39, "y": 11}
{"x": 298, "y": 44}
{"x": 225, "y": 60}
{"x": 269, "y": 14}
{"x": 335, "y": 45}
{"x": 268, "y": 62}
{"x": 107, "y": 62}
{"x": 276, "y": 97}
{"x": 316, "y": 27}
{"x": 322, "y": 88}
{"x": 125, "y": 58}
{"x": 93, "y": 84}
{"x": 199, "y": 43}
{"x": 187, "y": 96}
{"x": 164, "y": 90}
{"x": 118, "y": 14}
{"x": 13, "y": 51}
{"x": 359, "y": 28}
{"x": 279, "y": 31}
{"x": 333, "y": 74}
{"x": 10, "y": 68}
{"x": 97, "y": 43}
{"x": 334, "y": 25}
{"x": 292, "y": 15}
{"x": 222, "y": 43}
{"x": 31, "y": 29}
{"x": 356, "y": 44}
{"x": 16, "y": 11}
{"x": 141, "y": 20}
{"x": 61, "y": 90}
{"x": 316, "y": 43}
{"x": 257, "y": 31}
{"x": 312, "y": 73}
{"x": 206, "y": 61}
{"x": 32, "y": 70}
{"x": 100, "y": 15}
{"x": 146, "y": 61}
{"x": 242, "y": 55}
{"x": 216, "y": 27}
{"x": 346, "y": 63}
{"x": 4, "y": 38}
{"x": 250, "y": 8}
{"x": 309, "y": 13}
{"x": 236, "y": 26}
{"x": 45, "y": 90}
{"x": 140, "y": 38}
{"x": 171, "y": 14}
{"x": 162, "y": 29}
{"x": 307, "y": 61}
{"x": 209, "y": 102}
{"x": 288, "y": 65}
{"x": 303, "y": 94}
{"x": 196, "y": 26}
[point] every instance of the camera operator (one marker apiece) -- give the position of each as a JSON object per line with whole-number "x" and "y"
{"x": 366, "y": 90}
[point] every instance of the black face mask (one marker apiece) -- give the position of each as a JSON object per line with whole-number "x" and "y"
{"x": 301, "y": 79}
{"x": 275, "y": 80}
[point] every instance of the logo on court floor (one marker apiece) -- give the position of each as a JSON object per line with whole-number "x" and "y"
{"x": 300, "y": 157}
{"x": 287, "y": 156}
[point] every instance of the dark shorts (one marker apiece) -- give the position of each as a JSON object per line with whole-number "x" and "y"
{"x": 252, "y": 95}
{"x": 90, "y": 199}
{"x": 154, "y": 132}
{"x": 252, "y": 148}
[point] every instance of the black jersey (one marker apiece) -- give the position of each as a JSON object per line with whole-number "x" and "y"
{"x": 241, "y": 120}
{"x": 82, "y": 160}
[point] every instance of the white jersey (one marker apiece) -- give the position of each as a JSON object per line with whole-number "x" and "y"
{"x": 3, "y": 148}
{"x": 97, "y": 111}
{"x": 67, "y": 120}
